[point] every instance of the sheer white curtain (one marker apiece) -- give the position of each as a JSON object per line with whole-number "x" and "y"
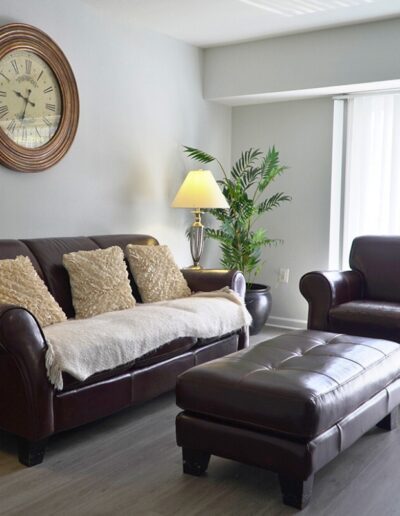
{"x": 372, "y": 171}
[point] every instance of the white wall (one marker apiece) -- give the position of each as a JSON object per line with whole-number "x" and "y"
{"x": 141, "y": 100}
{"x": 302, "y": 132}
{"x": 341, "y": 56}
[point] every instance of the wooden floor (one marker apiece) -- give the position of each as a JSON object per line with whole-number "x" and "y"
{"x": 129, "y": 464}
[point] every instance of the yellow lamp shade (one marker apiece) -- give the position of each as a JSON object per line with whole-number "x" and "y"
{"x": 199, "y": 190}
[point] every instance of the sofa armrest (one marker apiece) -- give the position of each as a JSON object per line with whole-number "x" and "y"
{"x": 26, "y": 395}
{"x": 213, "y": 279}
{"x": 324, "y": 290}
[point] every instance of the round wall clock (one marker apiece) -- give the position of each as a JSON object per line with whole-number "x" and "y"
{"x": 39, "y": 103}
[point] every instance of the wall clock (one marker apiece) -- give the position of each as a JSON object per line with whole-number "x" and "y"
{"x": 39, "y": 103}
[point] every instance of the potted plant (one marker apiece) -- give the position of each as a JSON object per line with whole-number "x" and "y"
{"x": 240, "y": 242}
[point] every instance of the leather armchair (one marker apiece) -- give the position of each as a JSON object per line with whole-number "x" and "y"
{"x": 362, "y": 301}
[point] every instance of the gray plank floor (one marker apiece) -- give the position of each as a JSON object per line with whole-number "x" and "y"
{"x": 129, "y": 464}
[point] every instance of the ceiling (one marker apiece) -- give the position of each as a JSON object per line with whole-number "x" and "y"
{"x": 206, "y": 23}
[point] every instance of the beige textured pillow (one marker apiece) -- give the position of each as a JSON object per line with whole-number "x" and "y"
{"x": 21, "y": 285}
{"x": 99, "y": 281}
{"x": 156, "y": 274}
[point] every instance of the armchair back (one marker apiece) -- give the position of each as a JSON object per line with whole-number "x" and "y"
{"x": 377, "y": 258}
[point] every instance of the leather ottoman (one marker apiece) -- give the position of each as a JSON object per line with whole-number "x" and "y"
{"x": 290, "y": 404}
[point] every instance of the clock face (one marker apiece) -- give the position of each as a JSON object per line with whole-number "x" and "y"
{"x": 30, "y": 99}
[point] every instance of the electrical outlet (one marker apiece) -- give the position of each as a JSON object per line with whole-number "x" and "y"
{"x": 283, "y": 275}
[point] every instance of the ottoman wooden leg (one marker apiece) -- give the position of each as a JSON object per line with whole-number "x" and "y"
{"x": 390, "y": 422}
{"x": 31, "y": 453}
{"x": 296, "y": 493}
{"x": 195, "y": 462}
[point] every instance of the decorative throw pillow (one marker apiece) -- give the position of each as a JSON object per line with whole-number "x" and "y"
{"x": 99, "y": 281}
{"x": 156, "y": 274}
{"x": 21, "y": 285}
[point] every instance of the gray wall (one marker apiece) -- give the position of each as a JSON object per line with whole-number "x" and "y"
{"x": 302, "y": 132}
{"x": 141, "y": 99}
{"x": 332, "y": 57}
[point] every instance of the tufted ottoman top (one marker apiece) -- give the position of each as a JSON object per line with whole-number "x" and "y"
{"x": 299, "y": 384}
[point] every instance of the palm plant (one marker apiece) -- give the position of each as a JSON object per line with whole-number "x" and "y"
{"x": 240, "y": 242}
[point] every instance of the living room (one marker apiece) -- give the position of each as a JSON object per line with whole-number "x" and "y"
{"x": 222, "y": 76}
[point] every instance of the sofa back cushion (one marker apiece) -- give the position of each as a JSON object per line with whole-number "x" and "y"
{"x": 10, "y": 249}
{"x": 378, "y": 259}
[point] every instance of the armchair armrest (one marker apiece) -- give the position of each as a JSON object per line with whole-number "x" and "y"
{"x": 26, "y": 395}
{"x": 324, "y": 290}
{"x": 213, "y": 279}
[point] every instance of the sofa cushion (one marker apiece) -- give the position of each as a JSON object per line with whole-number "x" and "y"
{"x": 21, "y": 285}
{"x": 156, "y": 273}
{"x": 364, "y": 317}
{"x": 99, "y": 281}
{"x": 172, "y": 349}
{"x": 167, "y": 351}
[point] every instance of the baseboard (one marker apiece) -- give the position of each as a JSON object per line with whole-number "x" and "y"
{"x": 284, "y": 322}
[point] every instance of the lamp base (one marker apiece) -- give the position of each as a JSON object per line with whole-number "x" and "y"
{"x": 194, "y": 267}
{"x": 196, "y": 239}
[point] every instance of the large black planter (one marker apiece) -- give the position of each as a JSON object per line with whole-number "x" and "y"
{"x": 258, "y": 302}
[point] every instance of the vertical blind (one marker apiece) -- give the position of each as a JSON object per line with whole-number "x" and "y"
{"x": 372, "y": 170}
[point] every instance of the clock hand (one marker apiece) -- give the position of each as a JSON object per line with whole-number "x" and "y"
{"x": 18, "y": 94}
{"x": 27, "y": 101}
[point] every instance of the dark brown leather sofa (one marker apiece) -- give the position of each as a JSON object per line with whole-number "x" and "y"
{"x": 363, "y": 301}
{"x": 31, "y": 408}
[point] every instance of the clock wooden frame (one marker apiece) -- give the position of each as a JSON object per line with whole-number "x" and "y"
{"x": 19, "y": 36}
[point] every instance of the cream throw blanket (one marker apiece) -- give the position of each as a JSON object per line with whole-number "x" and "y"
{"x": 86, "y": 346}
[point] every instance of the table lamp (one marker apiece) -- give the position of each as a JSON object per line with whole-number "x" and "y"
{"x": 199, "y": 190}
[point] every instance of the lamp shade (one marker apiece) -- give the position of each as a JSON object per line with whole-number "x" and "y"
{"x": 199, "y": 190}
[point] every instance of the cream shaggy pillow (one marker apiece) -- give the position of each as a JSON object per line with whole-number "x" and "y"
{"x": 99, "y": 281}
{"x": 156, "y": 274}
{"x": 21, "y": 285}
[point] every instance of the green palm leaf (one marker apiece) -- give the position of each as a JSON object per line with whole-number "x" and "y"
{"x": 198, "y": 155}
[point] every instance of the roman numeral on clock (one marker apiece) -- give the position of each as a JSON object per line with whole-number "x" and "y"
{"x": 3, "y": 111}
{"x": 15, "y": 66}
{"x": 5, "y": 77}
{"x": 48, "y": 90}
{"x": 51, "y": 107}
{"x": 11, "y": 126}
{"x": 3, "y": 94}
{"x": 47, "y": 121}
{"x": 28, "y": 66}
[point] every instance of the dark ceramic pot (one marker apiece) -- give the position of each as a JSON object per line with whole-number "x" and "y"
{"x": 258, "y": 302}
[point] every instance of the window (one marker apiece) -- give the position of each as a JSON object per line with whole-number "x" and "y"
{"x": 366, "y": 171}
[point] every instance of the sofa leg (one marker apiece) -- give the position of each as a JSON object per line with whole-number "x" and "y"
{"x": 31, "y": 453}
{"x": 195, "y": 462}
{"x": 390, "y": 422}
{"x": 296, "y": 493}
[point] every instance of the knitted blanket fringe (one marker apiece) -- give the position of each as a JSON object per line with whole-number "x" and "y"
{"x": 86, "y": 346}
